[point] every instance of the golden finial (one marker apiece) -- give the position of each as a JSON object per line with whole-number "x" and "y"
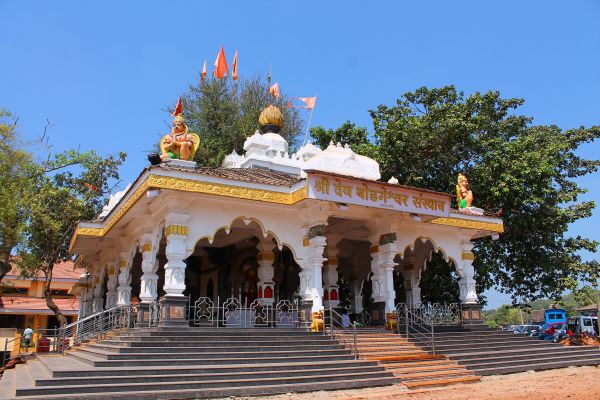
{"x": 270, "y": 120}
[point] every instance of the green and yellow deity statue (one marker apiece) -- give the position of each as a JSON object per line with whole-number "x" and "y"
{"x": 464, "y": 196}
{"x": 180, "y": 144}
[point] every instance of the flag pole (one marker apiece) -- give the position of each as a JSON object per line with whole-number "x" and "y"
{"x": 308, "y": 124}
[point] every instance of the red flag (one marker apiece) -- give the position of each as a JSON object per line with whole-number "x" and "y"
{"x": 274, "y": 90}
{"x": 310, "y": 102}
{"x": 178, "y": 109}
{"x": 234, "y": 67}
{"x": 203, "y": 74}
{"x": 221, "y": 64}
{"x": 90, "y": 186}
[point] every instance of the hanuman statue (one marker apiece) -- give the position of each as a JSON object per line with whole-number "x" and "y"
{"x": 464, "y": 196}
{"x": 180, "y": 144}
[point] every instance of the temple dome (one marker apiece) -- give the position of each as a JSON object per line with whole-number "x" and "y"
{"x": 342, "y": 160}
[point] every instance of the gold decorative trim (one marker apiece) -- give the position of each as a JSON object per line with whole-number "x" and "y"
{"x": 182, "y": 230}
{"x": 122, "y": 263}
{"x": 188, "y": 185}
{"x": 331, "y": 261}
{"x": 219, "y": 189}
{"x": 265, "y": 256}
{"x": 146, "y": 247}
{"x": 374, "y": 249}
{"x": 305, "y": 241}
{"x": 468, "y": 256}
{"x": 465, "y": 223}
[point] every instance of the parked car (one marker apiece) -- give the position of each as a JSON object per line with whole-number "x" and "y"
{"x": 583, "y": 323}
{"x": 518, "y": 329}
{"x": 528, "y": 329}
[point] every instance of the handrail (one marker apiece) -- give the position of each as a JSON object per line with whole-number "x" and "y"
{"x": 417, "y": 327}
{"x": 343, "y": 332}
{"x": 9, "y": 344}
{"x": 96, "y": 325}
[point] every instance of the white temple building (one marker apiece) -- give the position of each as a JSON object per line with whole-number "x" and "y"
{"x": 269, "y": 226}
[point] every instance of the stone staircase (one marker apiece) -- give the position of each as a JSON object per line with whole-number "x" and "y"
{"x": 183, "y": 363}
{"x": 490, "y": 352}
{"x": 413, "y": 366}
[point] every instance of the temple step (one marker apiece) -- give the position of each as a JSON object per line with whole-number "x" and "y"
{"x": 154, "y": 365}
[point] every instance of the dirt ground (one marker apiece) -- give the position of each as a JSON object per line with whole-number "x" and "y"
{"x": 576, "y": 383}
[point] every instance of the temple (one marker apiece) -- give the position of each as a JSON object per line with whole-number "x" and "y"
{"x": 270, "y": 228}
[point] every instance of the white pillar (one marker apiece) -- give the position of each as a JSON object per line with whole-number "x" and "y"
{"x": 316, "y": 246}
{"x": 111, "y": 286}
{"x": 266, "y": 271}
{"x": 149, "y": 279}
{"x": 176, "y": 252}
{"x": 124, "y": 279}
{"x": 330, "y": 276}
{"x": 387, "y": 253}
{"x": 98, "y": 301}
{"x": 466, "y": 271}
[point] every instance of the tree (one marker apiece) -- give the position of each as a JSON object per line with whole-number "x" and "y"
{"x": 17, "y": 172}
{"x": 439, "y": 282}
{"x": 526, "y": 171}
{"x": 224, "y": 113}
{"x": 41, "y": 201}
{"x": 356, "y": 137}
{"x": 60, "y": 202}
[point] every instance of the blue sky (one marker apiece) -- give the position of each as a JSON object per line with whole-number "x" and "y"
{"x": 103, "y": 72}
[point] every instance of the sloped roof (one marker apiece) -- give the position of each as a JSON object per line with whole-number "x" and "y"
{"x": 62, "y": 272}
{"x": 22, "y": 304}
{"x": 255, "y": 175}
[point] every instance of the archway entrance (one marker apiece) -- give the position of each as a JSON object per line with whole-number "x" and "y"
{"x": 242, "y": 277}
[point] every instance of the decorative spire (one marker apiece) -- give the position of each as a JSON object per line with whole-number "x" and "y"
{"x": 270, "y": 120}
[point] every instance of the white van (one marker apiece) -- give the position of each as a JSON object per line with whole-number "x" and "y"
{"x": 583, "y": 323}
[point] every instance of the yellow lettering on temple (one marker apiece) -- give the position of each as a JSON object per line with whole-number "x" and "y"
{"x": 342, "y": 190}
{"x": 322, "y": 186}
{"x": 427, "y": 203}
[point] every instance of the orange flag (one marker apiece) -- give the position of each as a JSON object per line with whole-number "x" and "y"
{"x": 274, "y": 90}
{"x": 310, "y": 102}
{"x": 203, "y": 74}
{"x": 178, "y": 109}
{"x": 90, "y": 186}
{"x": 220, "y": 64}
{"x": 234, "y": 72}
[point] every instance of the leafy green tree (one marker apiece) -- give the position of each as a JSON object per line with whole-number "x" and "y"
{"x": 60, "y": 201}
{"x": 42, "y": 201}
{"x": 526, "y": 172}
{"x": 504, "y": 316}
{"x": 439, "y": 282}
{"x": 224, "y": 113}
{"x": 356, "y": 137}
{"x": 17, "y": 172}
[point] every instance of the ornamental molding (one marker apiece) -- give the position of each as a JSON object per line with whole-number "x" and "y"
{"x": 468, "y": 256}
{"x": 465, "y": 223}
{"x": 189, "y": 185}
{"x": 266, "y": 256}
{"x": 181, "y": 230}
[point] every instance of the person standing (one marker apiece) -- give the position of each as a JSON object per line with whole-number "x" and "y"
{"x": 27, "y": 335}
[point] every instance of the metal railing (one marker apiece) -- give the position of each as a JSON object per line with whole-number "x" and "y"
{"x": 42, "y": 340}
{"x": 437, "y": 313}
{"x": 336, "y": 328}
{"x": 96, "y": 326}
{"x": 232, "y": 312}
{"x": 416, "y": 327}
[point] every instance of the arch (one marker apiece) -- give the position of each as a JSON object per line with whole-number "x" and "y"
{"x": 247, "y": 221}
{"x": 424, "y": 239}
